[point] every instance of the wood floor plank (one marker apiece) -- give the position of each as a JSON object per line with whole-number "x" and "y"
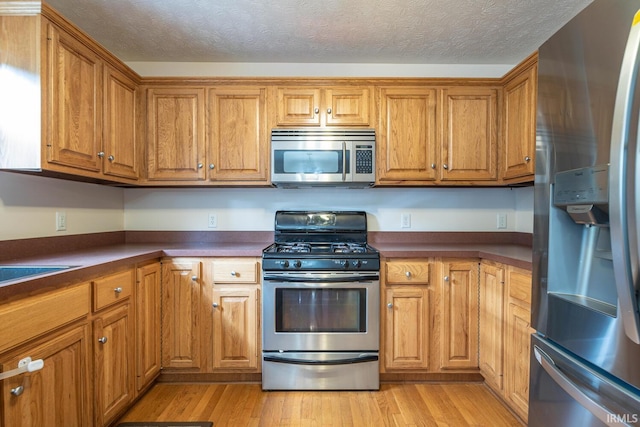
{"x": 238, "y": 405}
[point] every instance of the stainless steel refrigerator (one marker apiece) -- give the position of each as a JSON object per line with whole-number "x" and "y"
{"x": 585, "y": 358}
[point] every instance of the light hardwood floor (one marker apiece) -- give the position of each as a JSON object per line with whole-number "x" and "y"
{"x": 440, "y": 404}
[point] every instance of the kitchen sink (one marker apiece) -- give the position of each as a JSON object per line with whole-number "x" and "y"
{"x": 13, "y": 272}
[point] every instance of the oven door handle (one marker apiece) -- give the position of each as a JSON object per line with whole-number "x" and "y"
{"x": 298, "y": 279}
{"x": 363, "y": 359}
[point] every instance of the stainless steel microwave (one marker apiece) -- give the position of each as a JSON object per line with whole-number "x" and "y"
{"x": 323, "y": 157}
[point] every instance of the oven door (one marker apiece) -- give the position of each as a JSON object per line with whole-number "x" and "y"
{"x": 316, "y": 312}
{"x": 310, "y": 161}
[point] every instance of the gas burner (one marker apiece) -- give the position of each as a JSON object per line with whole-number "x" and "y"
{"x": 348, "y": 248}
{"x": 294, "y": 248}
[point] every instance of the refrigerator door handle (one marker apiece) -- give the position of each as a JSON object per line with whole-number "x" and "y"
{"x": 573, "y": 390}
{"x": 625, "y": 264}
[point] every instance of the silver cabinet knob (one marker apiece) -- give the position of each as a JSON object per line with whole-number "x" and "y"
{"x": 446, "y": 278}
{"x": 101, "y": 154}
{"x": 445, "y": 166}
{"x": 316, "y": 110}
{"x": 433, "y": 165}
{"x": 527, "y": 159}
{"x": 408, "y": 274}
{"x": 216, "y": 305}
{"x": 118, "y": 290}
{"x": 102, "y": 340}
{"x": 212, "y": 166}
{"x": 234, "y": 274}
{"x": 200, "y": 165}
{"x": 111, "y": 158}
{"x": 17, "y": 391}
{"x": 390, "y": 305}
{"x": 328, "y": 110}
{"x": 194, "y": 278}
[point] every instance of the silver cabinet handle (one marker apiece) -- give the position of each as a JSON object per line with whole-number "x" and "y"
{"x": 408, "y": 274}
{"x": 390, "y": 305}
{"x": 212, "y": 166}
{"x": 17, "y": 391}
{"x": 102, "y": 340}
{"x": 194, "y": 278}
{"x": 527, "y": 159}
{"x": 433, "y": 165}
{"x": 216, "y": 305}
{"x": 234, "y": 274}
{"x": 445, "y": 166}
{"x": 118, "y": 290}
{"x": 328, "y": 110}
{"x": 200, "y": 165}
{"x": 111, "y": 158}
{"x": 316, "y": 110}
{"x": 101, "y": 154}
{"x": 446, "y": 278}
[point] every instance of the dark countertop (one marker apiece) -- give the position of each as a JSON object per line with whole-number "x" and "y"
{"x": 101, "y": 254}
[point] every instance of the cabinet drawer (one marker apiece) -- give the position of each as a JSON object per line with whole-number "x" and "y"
{"x": 236, "y": 270}
{"x": 405, "y": 272}
{"x": 111, "y": 289}
{"x": 33, "y": 316}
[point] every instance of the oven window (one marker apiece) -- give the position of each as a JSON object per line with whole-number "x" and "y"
{"x": 321, "y": 310}
{"x": 309, "y": 161}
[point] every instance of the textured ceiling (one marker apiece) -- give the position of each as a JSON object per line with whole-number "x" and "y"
{"x": 321, "y": 31}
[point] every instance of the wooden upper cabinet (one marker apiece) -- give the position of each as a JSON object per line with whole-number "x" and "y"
{"x": 74, "y": 119}
{"x": 120, "y": 155}
{"x": 470, "y": 134}
{"x": 238, "y": 144}
{"x": 313, "y": 106}
{"x": 406, "y": 137}
{"x": 176, "y": 143}
{"x": 519, "y": 145}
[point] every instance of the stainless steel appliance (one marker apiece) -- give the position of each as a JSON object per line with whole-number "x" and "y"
{"x": 320, "y": 304}
{"x": 323, "y": 157}
{"x": 585, "y": 362}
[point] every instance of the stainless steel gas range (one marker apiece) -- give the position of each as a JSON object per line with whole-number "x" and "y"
{"x": 320, "y": 303}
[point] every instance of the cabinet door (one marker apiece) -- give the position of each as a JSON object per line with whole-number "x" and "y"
{"x": 470, "y": 126}
{"x": 56, "y": 395}
{"x": 459, "y": 342}
{"x": 147, "y": 324}
{"x": 238, "y": 147}
{"x": 74, "y": 136}
{"x": 347, "y": 106}
{"x": 406, "y": 323}
{"x": 520, "y": 125}
{"x": 235, "y": 320}
{"x": 298, "y": 106}
{"x": 113, "y": 362}
{"x": 176, "y": 145}
{"x": 406, "y": 140}
{"x": 491, "y": 323}
{"x": 181, "y": 314}
{"x": 120, "y": 155}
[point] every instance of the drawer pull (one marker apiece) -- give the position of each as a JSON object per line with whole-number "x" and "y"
{"x": 102, "y": 340}
{"x": 17, "y": 391}
{"x": 118, "y": 290}
{"x": 234, "y": 274}
{"x": 408, "y": 274}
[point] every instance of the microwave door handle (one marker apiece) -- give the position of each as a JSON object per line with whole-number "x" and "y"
{"x": 625, "y": 264}
{"x": 344, "y": 161}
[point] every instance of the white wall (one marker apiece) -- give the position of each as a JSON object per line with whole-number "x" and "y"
{"x": 431, "y": 209}
{"x": 28, "y": 206}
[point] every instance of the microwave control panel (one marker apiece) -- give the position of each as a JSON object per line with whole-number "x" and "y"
{"x": 364, "y": 159}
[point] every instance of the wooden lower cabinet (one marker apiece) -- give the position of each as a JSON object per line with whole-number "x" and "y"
{"x": 58, "y": 394}
{"x": 492, "y": 289}
{"x": 147, "y": 297}
{"x": 182, "y": 307}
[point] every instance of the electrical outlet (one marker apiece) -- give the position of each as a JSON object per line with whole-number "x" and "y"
{"x": 213, "y": 220}
{"x": 502, "y": 220}
{"x": 61, "y": 221}
{"x": 405, "y": 220}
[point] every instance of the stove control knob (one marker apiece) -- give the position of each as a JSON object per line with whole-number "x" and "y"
{"x": 285, "y": 264}
{"x": 357, "y": 263}
{"x": 297, "y": 263}
{"x": 345, "y": 264}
